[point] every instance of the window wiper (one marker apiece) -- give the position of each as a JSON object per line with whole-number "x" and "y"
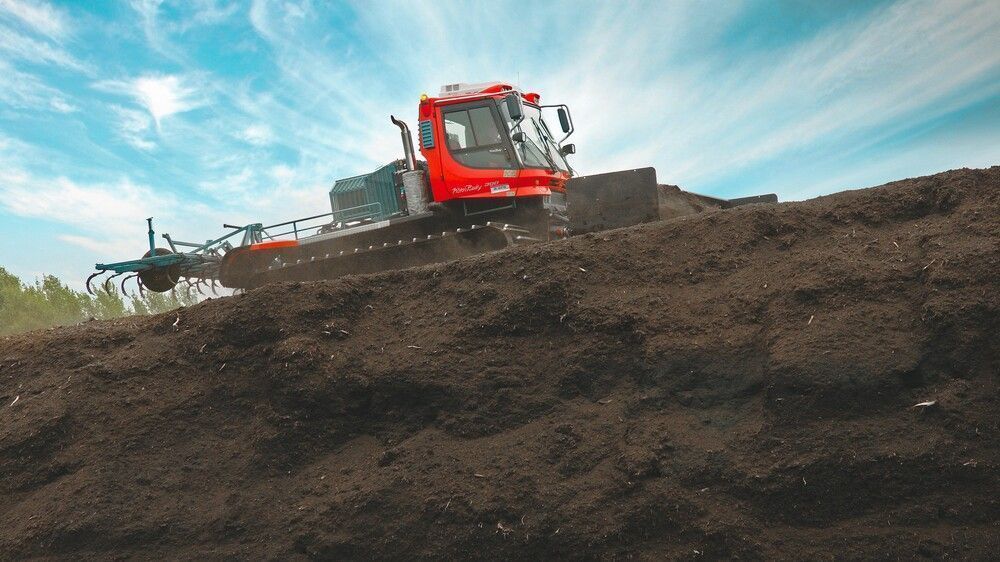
{"x": 555, "y": 147}
{"x": 548, "y": 157}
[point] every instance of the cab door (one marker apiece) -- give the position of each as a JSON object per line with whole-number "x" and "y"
{"x": 478, "y": 154}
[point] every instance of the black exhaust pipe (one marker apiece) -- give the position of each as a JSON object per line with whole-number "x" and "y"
{"x": 404, "y": 132}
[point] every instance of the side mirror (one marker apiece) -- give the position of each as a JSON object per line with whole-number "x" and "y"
{"x": 568, "y": 149}
{"x": 563, "y": 119}
{"x": 519, "y": 137}
{"x": 514, "y": 108}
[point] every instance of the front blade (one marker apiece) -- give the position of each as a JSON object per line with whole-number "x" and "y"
{"x": 611, "y": 200}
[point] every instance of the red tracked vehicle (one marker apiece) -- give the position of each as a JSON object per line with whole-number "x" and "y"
{"x": 489, "y": 142}
{"x": 493, "y": 174}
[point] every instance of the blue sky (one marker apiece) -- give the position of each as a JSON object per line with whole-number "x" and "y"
{"x": 200, "y": 112}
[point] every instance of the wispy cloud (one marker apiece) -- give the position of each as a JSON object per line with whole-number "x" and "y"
{"x": 93, "y": 207}
{"x": 111, "y": 248}
{"x": 851, "y": 78}
{"x": 37, "y": 15}
{"x": 188, "y": 15}
{"x": 164, "y": 96}
{"x": 707, "y": 119}
{"x": 209, "y": 12}
{"x": 161, "y": 95}
{"x": 232, "y": 184}
{"x": 36, "y": 32}
{"x": 21, "y": 90}
{"x": 108, "y": 213}
{"x": 104, "y": 217}
{"x": 19, "y": 46}
{"x": 134, "y": 127}
{"x": 258, "y": 135}
{"x": 322, "y": 89}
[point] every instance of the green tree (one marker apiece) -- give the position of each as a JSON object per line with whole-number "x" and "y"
{"x": 50, "y": 302}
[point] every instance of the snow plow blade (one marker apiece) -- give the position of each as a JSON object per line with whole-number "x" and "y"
{"x": 611, "y": 200}
{"x": 619, "y": 199}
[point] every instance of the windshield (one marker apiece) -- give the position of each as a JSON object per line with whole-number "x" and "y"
{"x": 539, "y": 150}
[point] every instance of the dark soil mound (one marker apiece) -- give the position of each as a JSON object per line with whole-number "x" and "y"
{"x": 742, "y": 383}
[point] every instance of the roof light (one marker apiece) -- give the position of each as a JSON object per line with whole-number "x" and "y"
{"x": 462, "y": 89}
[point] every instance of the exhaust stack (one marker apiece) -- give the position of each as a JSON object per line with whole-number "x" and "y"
{"x": 404, "y": 132}
{"x": 413, "y": 179}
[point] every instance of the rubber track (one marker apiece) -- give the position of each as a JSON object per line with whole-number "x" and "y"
{"x": 401, "y": 254}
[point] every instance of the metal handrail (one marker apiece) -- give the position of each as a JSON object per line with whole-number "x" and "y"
{"x": 296, "y": 228}
{"x": 292, "y": 222}
{"x": 353, "y": 213}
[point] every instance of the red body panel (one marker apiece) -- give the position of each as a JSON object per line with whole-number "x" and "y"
{"x": 450, "y": 180}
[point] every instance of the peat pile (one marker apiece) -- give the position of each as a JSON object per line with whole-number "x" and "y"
{"x": 739, "y": 383}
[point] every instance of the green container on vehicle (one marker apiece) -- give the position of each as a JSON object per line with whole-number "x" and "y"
{"x": 375, "y": 196}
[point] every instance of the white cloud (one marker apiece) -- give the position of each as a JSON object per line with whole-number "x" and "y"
{"x": 282, "y": 174}
{"x": 191, "y": 13}
{"x": 96, "y": 207}
{"x": 38, "y": 15}
{"x": 891, "y": 68}
{"x": 707, "y": 118}
{"x": 184, "y": 15}
{"x": 161, "y": 95}
{"x": 21, "y": 90}
{"x": 228, "y": 185}
{"x": 106, "y": 218}
{"x": 12, "y": 151}
{"x": 102, "y": 217}
{"x": 257, "y": 135}
{"x": 113, "y": 248}
{"x": 321, "y": 91}
{"x": 270, "y": 193}
{"x": 134, "y": 127}
{"x": 209, "y": 12}
{"x": 19, "y": 46}
{"x": 148, "y": 11}
{"x": 62, "y": 106}
{"x": 164, "y": 96}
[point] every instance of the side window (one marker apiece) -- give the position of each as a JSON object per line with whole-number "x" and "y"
{"x": 458, "y": 129}
{"x": 474, "y": 139}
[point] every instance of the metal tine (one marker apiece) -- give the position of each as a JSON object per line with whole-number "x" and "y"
{"x": 126, "y": 279}
{"x": 107, "y": 282}
{"x": 91, "y": 278}
{"x": 214, "y": 292}
{"x": 138, "y": 283}
{"x": 190, "y": 286}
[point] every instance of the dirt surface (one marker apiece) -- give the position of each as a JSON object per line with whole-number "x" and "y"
{"x": 734, "y": 384}
{"x": 673, "y": 202}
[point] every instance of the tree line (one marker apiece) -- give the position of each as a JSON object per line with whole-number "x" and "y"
{"x": 49, "y": 302}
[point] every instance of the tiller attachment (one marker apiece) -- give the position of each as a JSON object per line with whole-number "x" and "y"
{"x": 160, "y": 269}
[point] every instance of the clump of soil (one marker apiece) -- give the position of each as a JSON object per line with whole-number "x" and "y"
{"x": 802, "y": 381}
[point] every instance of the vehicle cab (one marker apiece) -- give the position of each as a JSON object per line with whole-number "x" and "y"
{"x": 490, "y": 142}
